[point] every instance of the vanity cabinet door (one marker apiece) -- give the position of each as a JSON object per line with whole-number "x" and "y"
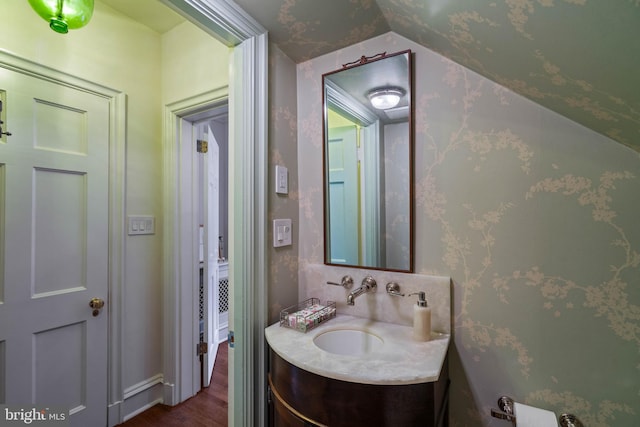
{"x": 281, "y": 415}
{"x": 307, "y": 399}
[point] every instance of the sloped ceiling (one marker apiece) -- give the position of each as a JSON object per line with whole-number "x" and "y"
{"x": 580, "y": 58}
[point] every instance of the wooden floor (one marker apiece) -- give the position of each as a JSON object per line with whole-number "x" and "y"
{"x": 207, "y": 409}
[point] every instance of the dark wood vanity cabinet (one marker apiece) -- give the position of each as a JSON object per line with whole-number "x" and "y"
{"x": 301, "y": 398}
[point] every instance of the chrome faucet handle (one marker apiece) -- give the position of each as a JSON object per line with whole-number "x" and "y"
{"x": 506, "y": 406}
{"x": 347, "y": 282}
{"x": 569, "y": 420}
{"x": 370, "y": 284}
{"x": 393, "y": 288}
{"x": 503, "y": 416}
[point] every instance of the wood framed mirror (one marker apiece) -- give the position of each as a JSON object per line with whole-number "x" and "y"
{"x": 368, "y": 163}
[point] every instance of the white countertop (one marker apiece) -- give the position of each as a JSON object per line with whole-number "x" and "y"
{"x": 401, "y": 360}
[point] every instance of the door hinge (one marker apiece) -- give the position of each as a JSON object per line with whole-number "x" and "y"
{"x": 202, "y": 348}
{"x": 1, "y": 123}
{"x": 202, "y": 146}
{"x": 269, "y": 396}
{"x": 231, "y": 339}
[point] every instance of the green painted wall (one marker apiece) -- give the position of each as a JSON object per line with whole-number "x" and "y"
{"x": 152, "y": 70}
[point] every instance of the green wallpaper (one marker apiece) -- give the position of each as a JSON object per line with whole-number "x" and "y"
{"x": 535, "y": 219}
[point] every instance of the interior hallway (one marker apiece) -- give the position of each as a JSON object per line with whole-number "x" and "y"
{"x": 206, "y": 409}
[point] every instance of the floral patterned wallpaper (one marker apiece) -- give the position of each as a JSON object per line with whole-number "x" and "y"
{"x": 283, "y": 261}
{"x": 576, "y": 57}
{"x": 533, "y": 216}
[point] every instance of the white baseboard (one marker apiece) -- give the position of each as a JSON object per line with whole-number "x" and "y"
{"x": 114, "y": 414}
{"x": 169, "y": 394}
{"x": 142, "y": 386}
{"x": 137, "y": 399}
{"x": 141, "y": 409}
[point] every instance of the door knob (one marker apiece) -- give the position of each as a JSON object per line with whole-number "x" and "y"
{"x": 96, "y": 304}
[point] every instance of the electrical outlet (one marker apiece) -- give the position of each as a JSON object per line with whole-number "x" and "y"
{"x": 281, "y": 232}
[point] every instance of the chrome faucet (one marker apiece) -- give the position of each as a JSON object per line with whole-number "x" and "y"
{"x": 368, "y": 285}
{"x": 346, "y": 282}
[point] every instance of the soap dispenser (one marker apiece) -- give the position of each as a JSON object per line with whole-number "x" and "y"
{"x": 421, "y": 318}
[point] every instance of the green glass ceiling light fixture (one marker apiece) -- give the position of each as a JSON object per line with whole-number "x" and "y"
{"x": 63, "y": 15}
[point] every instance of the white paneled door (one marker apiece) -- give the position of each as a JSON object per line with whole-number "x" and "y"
{"x": 54, "y": 246}
{"x": 211, "y": 315}
{"x": 343, "y": 195}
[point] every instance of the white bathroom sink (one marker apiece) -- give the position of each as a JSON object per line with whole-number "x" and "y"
{"x": 348, "y": 342}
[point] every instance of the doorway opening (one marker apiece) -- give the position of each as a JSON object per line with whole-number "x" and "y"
{"x": 210, "y": 140}
{"x": 198, "y": 181}
{"x": 248, "y": 160}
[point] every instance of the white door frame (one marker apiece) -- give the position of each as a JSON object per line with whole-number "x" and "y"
{"x": 181, "y": 366}
{"x": 248, "y": 115}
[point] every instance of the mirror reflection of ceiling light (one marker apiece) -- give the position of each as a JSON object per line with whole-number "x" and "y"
{"x": 385, "y": 98}
{"x": 64, "y": 15}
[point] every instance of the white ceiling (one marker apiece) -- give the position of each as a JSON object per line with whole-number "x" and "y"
{"x": 151, "y": 13}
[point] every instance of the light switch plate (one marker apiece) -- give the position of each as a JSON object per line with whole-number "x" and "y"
{"x": 282, "y": 180}
{"x": 281, "y": 232}
{"x": 141, "y": 224}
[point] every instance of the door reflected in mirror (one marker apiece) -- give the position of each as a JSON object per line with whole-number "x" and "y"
{"x": 368, "y": 152}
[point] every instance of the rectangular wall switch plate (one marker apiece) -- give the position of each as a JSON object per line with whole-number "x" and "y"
{"x": 281, "y": 232}
{"x": 282, "y": 180}
{"x": 141, "y": 224}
